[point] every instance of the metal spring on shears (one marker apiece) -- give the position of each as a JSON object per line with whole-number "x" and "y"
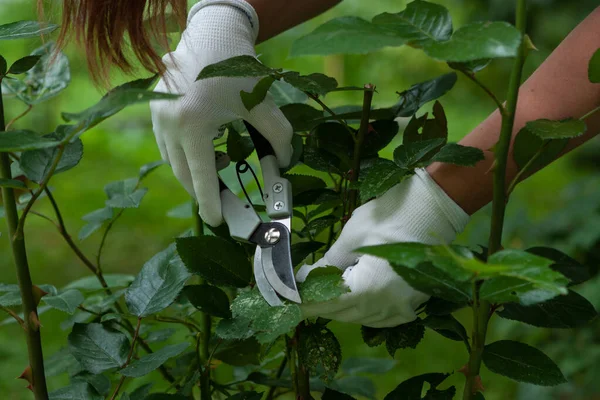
{"x": 241, "y": 167}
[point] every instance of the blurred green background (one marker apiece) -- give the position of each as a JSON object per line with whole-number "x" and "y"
{"x": 558, "y": 206}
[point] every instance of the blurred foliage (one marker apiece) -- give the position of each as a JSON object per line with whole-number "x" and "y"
{"x": 560, "y": 206}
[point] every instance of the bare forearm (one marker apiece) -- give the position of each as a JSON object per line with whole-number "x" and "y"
{"x": 276, "y": 16}
{"x": 558, "y": 89}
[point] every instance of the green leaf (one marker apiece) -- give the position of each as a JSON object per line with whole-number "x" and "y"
{"x": 25, "y": 29}
{"x": 573, "y": 270}
{"x": 302, "y": 250}
{"x": 333, "y": 138}
{"x": 217, "y": 260}
{"x": 316, "y": 84}
{"x": 594, "y": 67}
{"x": 380, "y": 133}
{"x": 419, "y": 94}
{"x": 160, "y": 335}
{"x": 182, "y": 211}
{"x": 318, "y": 225}
{"x": 98, "y": 348}
{"x": 238, "y": 147}
{"x": 424, "y": 128}
{"x": 23, "y": 65}
{"x": 331, "y": 394}
{"x": 36, "y": 164}
{"x": 258, "y": 94}
{"x": 457, "y": 154}
{"x": 76, "y": 391}
{"x": 23, "y": 140}
{"x": 283, "y": 94}
{"x": 302, "y": 116}
{"x": 412, "y": 388}
{"x": 209, "y": 299}
{"x": 568, "y": 311}
{"x": 414, "y": 154}
{"x": 304, "y": 183}
{"x": 99, "y": 382}
{"x": 319, "y": 351}
{"x": 235, "y": 67}
{"x": 322, "y": 284}
{"x": 420, "y": 23}
{"x": 50, "y": 76}
{"x": 165, "y": 396}
{"x": 448, "y": 326}
{"x": 359, "y": 365}
{"x": 246, "y": 396}
{"x": 124, "y": 194}
{"x": 565, "y": 129}
{"x": 320, "y": 160}
{"x": 96, "y": 220}
{"x": 354, "y": 386}
{"x": 440, "y": 306}
{"x": 3, "y": 66}
{"x": 346, "y": 35}
{"x": 239, "y": 352}
{"x": 92, "y": 283}
{"x": 66, "y": 301}
{"x": 157, "y": 285}
{"x": 521, "y": 363}
{"x": 470, "y": 67}
{"x": 378, "y": 179}
{"x": 477, "y": 41}
{"x": 12, "y": 184}
{"x": 150, "y": 362}
{"x": 404, "y": 336}
{"x": 527, "y": 145}
{"x": 147, "y": 169}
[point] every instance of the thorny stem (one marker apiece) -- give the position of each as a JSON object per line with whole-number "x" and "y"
{"x": 271, "y": 394}
{"x": 129, "y": 356}
{"x": 481, "y": 309}
{"x": 19, "y": 252}
{"x": 362, "y": 132}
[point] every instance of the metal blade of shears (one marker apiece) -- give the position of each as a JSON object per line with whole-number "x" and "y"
{"x": 263, "y": 284}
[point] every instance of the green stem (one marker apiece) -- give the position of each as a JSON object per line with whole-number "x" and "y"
{"x": 32, "y": 324}
{"x": 481, "y": 316}
{"x": 472, "y": 77}
{"x": 271, "y": 394}
{"x": 527, "y": 167}
{"x": 317, "y": 100}
{"x": 302, "y": 375}
{"x": 129, "y": 356}
{"x": 589, "y": 114}
{"x": 290, "y": 354}
{"x": 362, "y": 132}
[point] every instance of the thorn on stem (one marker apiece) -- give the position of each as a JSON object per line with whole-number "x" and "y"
{"x": 38, "y": 293}
{"x": 464, "y": 370}
{"x": 478, "y": 385}
{"x": 27, "y": 375}
{"x": 34, "y": 321}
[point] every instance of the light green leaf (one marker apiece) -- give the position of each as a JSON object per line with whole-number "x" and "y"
{"x": 412, "y": 388}
{"x": 217, "y": 260}
{"x": 283, "y": 94}
{"x": 568, "y": 311}
{"x": 157, "y": 285}
{"x": 238, "y": 147}
{"x": 319, "y": 351}
{"x": 96, "y": 220}
{"x": 209, "y": 299}
{"x": 23, "y": 140}
{"x": 98, "y": 348}
{"x": 147, "y": 169}
{"x": 565, "y": 129}
{"x": 25, "y": 29}
{"x": 415, "y": 154}
{"x": 594, "y": 67}
{"x": 182, "y": 211}
{"x": 381, "y": 177}
{"x": 66, "y": 301}
{"x": 322, "y": 284}
{"x": 12, "y": 184}
{"x": 236, "y": 67}
{"x": 150, "y": 362}
{"x": 522, "y": 363}
{"x": 76, "y": 391}
{"x": 124, "y": 194}
{"x": 457, "y": 154}
{"x": 419, "y": 94}
{"x": 92, "y": 283}
{"x": 23, "y": 65}
{"x": 258, "y": 94}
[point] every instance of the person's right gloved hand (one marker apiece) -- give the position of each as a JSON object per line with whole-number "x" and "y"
{"x": 185, "y": 128}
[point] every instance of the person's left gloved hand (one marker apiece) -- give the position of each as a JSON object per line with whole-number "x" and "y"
{"x": 416, "y": 210}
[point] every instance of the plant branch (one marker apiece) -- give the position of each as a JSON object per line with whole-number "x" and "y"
{"x": 14, "y": 315}
{"x": 589, "y": 114}
{"x": 104, "y": 236}
{"x": 18, "y": 117}
{"x": 302, "y": 376}
{"x": 129, "y": 356}
{"x": 317, "y": 100}
{"x": 527, "y": 167}
{"x": 19, "y": 252}
{"x": 472, "y": 77}
{"x": 271, "y": 394}
{"x": 362, "y": 132}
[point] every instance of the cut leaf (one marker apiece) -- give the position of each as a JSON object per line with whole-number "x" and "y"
{"x": 235, "y": 67}
{"x": 209, "y": 299}
{"x": 414, "y": 154}
{"x": 419, "y": 94}
{"x": 400, "y": 337}
{"x": 522, "y": 363}
{"x": 258, "y": 94}
{"x": 283, "y": 93}
{"x": 98, "y": 348}
{"x": 25, "y": 29}
{"x": 316, "y": 84}
{"x": 150, "y": 362}
{"x": 322, "y": 284}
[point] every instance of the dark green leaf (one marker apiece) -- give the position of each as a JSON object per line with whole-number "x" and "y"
{"x": 404, "y": 336}
{"x": 98, "y": 348}
{"x": 236, "y": 67}
{"x": 316, "y": 84}
{"x": 258, "y": 94}
{"x": 3, "y": 66}
{"x": 378, "y": 179}
{"x": 449, "y": 327}
{"x": 209, "y": 299}
{"x": 283, "y": 94}
{"x": 414, "y": 154}
{"x": 76, "y": 391}
{"x": 239, "y": 352}
{"x": 419, "y": 94}
{"x": 440, "y": 306}
{"x": 147, "y": 169}
{"x": 25, "y": 29}
{"x": 24, "y": 140}
{"x": 346, "y": 35}
{"x": 566, "y": 129}
{"x": 12, "y": 184}
{"x": 160, "y": 335}
{"x": 412, "y": 388}
{"x": 238, "y": 147}
{"x": 302, "y": 116}
{"x": 594, "y": 67}
{"x": 124, "y": 194}
{"x": 527, "y": 145}
{"x": 360, "y": 386}
{"x": 457, "y": 154}
{"x": 372, "y": 337}
{"x": 304, "y": 183}
{"x": 318, "y": 225}
{"x": 320, "y": 160}
{"x": 424, "y": 128}
{"x": 569, "y": 311}
{"x": 150, "y": 362}
{"x": 354, "y": 365}
{"x": 330, "y": 394}
{"x": 217, "y": 260}
{"x": 302, "y": 250}
{"x": 23, "y": 65}
{"x": 379, "y": 135}
{"x": 157, "y": 285}
{"x": 99, "y": 382}
{"x": 333, "y": 138}
{"x": 574, "y": 271}
{"x": 522, "y": 363}
{"x": 246, "y": 396}
{"x": 470, "y": 67}
{"x": 140, "y": 392}
{"x": 165, "y": 396}
{"x": 50, "y": 76}
{"x": 322, "y": 284}
{"x": 319, "y": 351}
{"x": 36, "y": 164}
{"x": 66, "y": 301}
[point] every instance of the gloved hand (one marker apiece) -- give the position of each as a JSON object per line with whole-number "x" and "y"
{"x": 416, "y": 210}
{"x": 185, "y": 128}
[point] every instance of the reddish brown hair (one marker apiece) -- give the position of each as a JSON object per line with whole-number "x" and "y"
{"x": 101, "y": 28}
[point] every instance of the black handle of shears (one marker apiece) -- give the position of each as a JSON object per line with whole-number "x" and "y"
{"x": 262, "y": 145}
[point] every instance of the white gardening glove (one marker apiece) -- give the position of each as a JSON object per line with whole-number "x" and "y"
{"x": 416, "y": 210}
{"x": 185, "y": 128}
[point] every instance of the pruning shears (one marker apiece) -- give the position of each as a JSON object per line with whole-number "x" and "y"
{"x": 273, "y": 269}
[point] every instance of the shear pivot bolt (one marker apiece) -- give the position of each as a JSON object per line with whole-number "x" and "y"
{"x": 278, "y": 205}
{"x": 278, "y": 187}
{"x": 272, "y": 236}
